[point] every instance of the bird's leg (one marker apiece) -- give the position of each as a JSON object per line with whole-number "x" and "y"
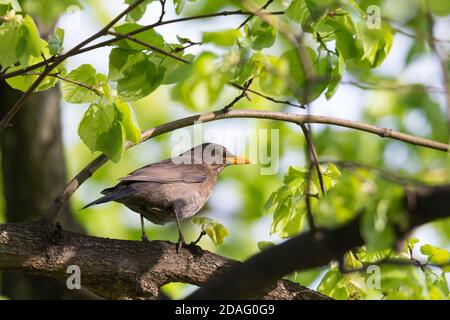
{"x": 180, "y": 241}
{"x": 144, "y": 235}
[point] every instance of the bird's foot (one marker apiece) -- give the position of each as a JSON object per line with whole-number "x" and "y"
{"x": 180, "y": 243}
{"x": 144, "y": 238}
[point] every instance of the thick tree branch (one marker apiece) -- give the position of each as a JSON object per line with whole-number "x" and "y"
{"x": 84, "y": 174}
{"x": 314, "y": 249}
{"x": 118, "y": 269}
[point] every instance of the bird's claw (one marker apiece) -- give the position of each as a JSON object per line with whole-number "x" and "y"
{"x": 180, "y": 243}
{"x": 144, "y": 238}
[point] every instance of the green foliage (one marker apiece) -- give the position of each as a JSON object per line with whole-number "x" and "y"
{"x": 137, "y": 13}
{"x": 289, "y": 200}
{"x": 216, "y": 231}
{"x": 20, "y": 38}
{"x": 23, "y": 82}
{"x": 260, "y": 34}
{"x": 49, "y": 11}
{"x": 224, "y": 38}
{"x": 203, "y": 85}
{"x": 149, "y": 36}
{"x": 308, "y": 12}
{"x": 106, "y": 127}
{"x": 437, "y": 255}
{"x": 87, "y": 75}
{"x": 55, "y": 41}
{"x": 136, "y": 75}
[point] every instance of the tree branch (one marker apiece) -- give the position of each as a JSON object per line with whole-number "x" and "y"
{"x": 63, "y": 197}
{"x": 314, "y": 249}
{"x": 118, "y": 269}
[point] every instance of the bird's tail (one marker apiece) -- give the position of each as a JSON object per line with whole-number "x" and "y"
{"x": 111, "y": 194}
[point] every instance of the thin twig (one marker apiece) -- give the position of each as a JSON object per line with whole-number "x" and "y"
{"x": 57, "y": 76}
{"x": 149, "y": 46}
{"x": 264, "y": 7}
{"x": 286, "y": 102}
{"x": 240, "y": 96}
{"x": 101, "y": 44}
{"x": 4, "y": 122}
{"x": 65, "y": 194}
{"x": 443, "y": 62}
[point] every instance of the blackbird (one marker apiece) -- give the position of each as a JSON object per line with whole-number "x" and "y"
{"x": 172, "y": 189}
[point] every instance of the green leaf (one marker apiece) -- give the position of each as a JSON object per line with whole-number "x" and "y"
{"x": 101, "y": 130}
{"x": 23, "y": 82}
{"x": 333, "y": 285}
{"x": 20, "y": 40}
{"x": 343, "y": 30}
{"x": 149, "y": 36}
{"x": 126, "y": 118}
{"x": 248, "y": 67}
{"x": 306, "y": 91}
{"x": 336, "y": 76}
{"x": 179, "y": 5}
{"x": 55, "y": 41}
{"x": 137, "y": 13}
{"x": 176, "y": 71}
{"x": 49, "y": 11}
{"x": 74, "y": 93}
{"x": 307, "y": 12}
{"x": 224, "y": 38}
{"x": 439, "y": 7}
{"x": 261, "y": 34}
{"x": 215, "y": 230}
{"x": 204, "y": 84}
{"x": 437, "y": 255}
{"x": 135, "y": 74}
{"x": 272, "y": 78}
{"x": 375, "y": 43}
{"x": 351, "y": 262}
{"x": 13, "y": 3}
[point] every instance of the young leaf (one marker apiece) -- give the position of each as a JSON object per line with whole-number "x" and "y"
{"x": 375, "y": 43}
{"x": 126, "y": 118}
{"x": 20, "y": 40}
{"x": 137, "y": 77}
{"x": 149, "y": 36}
{"x": 74, "y": 93}
{"x": 215, "y": 231}
{"x": 137, "y": 13}
{"x": 224, "y": 38}
{"x": 101, "y": 130}
{"x": 261, "y": 34}
{"x": 55, "y": 41}
{"x": 307, "y": 12}
{"x": 23, "y": 82}
{"x": 13, "y": 3}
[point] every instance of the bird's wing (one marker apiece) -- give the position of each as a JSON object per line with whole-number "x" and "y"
{"x": 168, "y": 172}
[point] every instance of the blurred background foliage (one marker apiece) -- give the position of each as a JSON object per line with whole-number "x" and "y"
{"x": 395, "y": 95}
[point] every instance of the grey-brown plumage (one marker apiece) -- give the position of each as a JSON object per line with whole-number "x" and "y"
{"x": 172, "y": 189}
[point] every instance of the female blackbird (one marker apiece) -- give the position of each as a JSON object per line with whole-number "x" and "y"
{"x": 172, "y": 189}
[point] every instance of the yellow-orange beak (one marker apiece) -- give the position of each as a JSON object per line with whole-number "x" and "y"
{"x": 237, "y": 160}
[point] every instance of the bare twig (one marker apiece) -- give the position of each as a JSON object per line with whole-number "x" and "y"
{"x": 443, "y": 62}
{"x": 286, "y": 102}
{"x": 240, "y": 96}
{"x": 65, "y": 194}
{"x": 268, "y": 3}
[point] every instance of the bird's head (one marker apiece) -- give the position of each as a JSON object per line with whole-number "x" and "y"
{"x": 212, "y": 154}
